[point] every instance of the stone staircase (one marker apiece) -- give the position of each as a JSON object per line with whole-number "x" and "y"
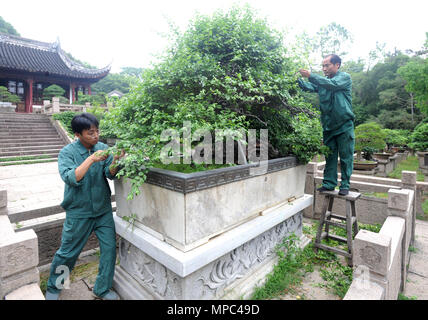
{"x": 28, "y": 138}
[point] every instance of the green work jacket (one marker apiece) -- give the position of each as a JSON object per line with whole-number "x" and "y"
{"x": 335, "y": 99}
{"x": 91, "y": 196}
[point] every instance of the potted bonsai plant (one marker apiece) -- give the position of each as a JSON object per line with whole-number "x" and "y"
{"x": 369, "y": 137}
{"x": 419, "y": 143}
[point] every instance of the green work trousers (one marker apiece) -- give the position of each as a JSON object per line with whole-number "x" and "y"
{"x": 341, "y": 145}
{"x": 75, "y": 234}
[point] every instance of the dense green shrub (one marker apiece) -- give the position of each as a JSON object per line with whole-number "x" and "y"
{"x": 369, "y": 137}
{"x": 229, "y": 71}
{"x": 53, "y": 91}
{"x": 6, "y": 96}
{"x": 419, "y": 137}
{"x": 65, "y": 119}
{"x": 396, "y": 137}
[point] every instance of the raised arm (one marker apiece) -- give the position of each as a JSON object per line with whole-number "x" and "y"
{"x": 339, "y": 82}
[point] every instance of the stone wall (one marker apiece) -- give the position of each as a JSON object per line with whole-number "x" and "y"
{"x": 19, "y": 258}
{"x": 381, "y": 259}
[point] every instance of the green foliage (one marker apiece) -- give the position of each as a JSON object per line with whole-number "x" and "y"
{"x": 6, "y": 27}
{"x": 369, "y": 135}
{"x": 6, "y": 96}
{"x": 113, "y": 81}
{"x": 65, "y": 119}
{"x": 396, "y": 138}
{"x": 94, "y": 100}
{"x": 333, "y": 38}
{"x": 419, "y": 138}
{"x": 415, "y": 72}
{"x": 410, "y": 164}
{"x": 227, "y": 72}
{"x": 53, "y": 91}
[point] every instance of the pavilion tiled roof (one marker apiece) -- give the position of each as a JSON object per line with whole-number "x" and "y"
{"x": 23, "y": 54}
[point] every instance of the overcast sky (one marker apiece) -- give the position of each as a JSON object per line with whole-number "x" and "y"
{"x": 129, "y": 32}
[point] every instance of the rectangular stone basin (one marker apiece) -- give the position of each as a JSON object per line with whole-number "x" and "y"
{"x": 186, "y": 210}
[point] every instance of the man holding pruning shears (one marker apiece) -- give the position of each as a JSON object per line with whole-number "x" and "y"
{"x": 84, "y": 167}
{"x": 337, "y": 120}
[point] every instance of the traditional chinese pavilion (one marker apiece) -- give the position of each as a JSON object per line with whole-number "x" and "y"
{"x": 29, "y": 66}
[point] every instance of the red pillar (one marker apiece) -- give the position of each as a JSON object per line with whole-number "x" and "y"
{"x": 89, "y": 90}
{"x": 29, "y": 97}
{"x": 73, "y": 91}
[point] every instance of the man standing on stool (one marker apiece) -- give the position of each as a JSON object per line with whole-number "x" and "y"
{"x": 87, "y": 202}
{"x": 337, "y": 120}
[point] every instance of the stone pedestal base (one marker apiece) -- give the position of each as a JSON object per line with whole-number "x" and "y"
{"x": 229, "y": 266}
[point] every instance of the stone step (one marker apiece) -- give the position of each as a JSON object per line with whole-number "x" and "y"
{"x": 13, "y": 158}
{"x": 24, "y": 118}
{"x": 25, "y": 127}
{"x": 17, "y": 137}
{"x": 27, "y": 148}
{"x": 21, "y": 121}
{"x": 29, "y": 161}
{"x": 4, "y": 132}
{"x": 30, "y": 143}
{"x": 30, "y": 139}
{"x": 29, "y": 152}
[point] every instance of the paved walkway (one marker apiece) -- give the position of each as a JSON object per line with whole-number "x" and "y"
{"x": 34, "y": 186}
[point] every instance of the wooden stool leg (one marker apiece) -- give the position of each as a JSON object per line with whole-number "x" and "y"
{"x": 330, "y": 208}
{"x": 349, "y": 226}
{"x": 321, "y": 222}
{"x": 354, "y": 214}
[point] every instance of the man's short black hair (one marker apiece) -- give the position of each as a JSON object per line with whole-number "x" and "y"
{"x": 334, "y": 58}
{"x": 83, "y": 121}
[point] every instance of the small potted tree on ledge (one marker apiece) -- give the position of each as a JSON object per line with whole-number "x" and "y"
{"x": 419, "y": 143}
{"x": 369, "y": 137}
{"x": 396, "y": 139}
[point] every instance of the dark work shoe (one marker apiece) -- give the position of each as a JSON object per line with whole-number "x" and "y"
{"x": 343, "y": 192}
{"x": 323, "y": 189}
{"x": 110, "y": 295}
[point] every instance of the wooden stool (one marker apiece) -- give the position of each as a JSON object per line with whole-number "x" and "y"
{"x": 350, "y": 224}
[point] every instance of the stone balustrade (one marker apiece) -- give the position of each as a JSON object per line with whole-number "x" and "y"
{"x": 381, "y": 259}
{"x": 19, "y": 257}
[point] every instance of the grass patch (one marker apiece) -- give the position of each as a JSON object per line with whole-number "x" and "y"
{"x": 26, "y": 162}
{"x": 403, "y": 297}
{"x": 410, "y": 164}
{"x": 294, "y": 263}
{"x": 24, "y": 158}
{"x": 380, "y": 195}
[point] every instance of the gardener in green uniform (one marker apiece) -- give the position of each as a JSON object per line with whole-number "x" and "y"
{"x": 87, "y": 202}
{"x": 334, "y": 93}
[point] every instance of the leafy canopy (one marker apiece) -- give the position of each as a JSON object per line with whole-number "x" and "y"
{"x": 228, "y": 71}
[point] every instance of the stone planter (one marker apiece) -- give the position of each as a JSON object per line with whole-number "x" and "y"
{"x": 7, "y": 107}
{"x": 382, "y": 156}
{"x": 206, "y": 235}
{"x": 187, "y": 210}
{"x": 365, "y": 165}
{"x": 423, "y": 159}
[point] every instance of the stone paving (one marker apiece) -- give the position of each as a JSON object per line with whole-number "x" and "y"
{"x": 34, "y": 186}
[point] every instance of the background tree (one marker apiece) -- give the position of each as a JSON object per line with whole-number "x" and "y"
{"x": 369, "y": 138}
{"x": 226, "y": 71}
{"x": 53, "y": 91}
{"x": 6, "y": 27}
{"x": 6, "y": 96}
{"x": 333, "y": 38}
{"x": 415, "y": 73}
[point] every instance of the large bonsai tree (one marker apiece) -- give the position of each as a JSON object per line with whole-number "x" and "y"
{"x": 369, "y": 138}
{"x": 229, "y": 72}
{"x": 419, "y": 137}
